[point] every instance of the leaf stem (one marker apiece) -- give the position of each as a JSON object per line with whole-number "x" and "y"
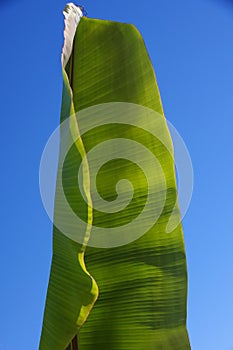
{"x": 74, "y": 344}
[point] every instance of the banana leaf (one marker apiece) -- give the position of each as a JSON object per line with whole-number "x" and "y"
{"x": 132, "y": 296}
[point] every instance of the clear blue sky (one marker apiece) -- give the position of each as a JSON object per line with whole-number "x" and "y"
{"x": 191, "y": 47}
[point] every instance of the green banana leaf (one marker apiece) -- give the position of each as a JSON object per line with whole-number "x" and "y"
{"x": 129, "y": 297}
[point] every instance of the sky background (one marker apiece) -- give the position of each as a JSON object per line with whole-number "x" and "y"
{"x": 191, "y": 47}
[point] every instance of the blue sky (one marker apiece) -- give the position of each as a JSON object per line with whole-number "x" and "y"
{"x": 190, "y": 45}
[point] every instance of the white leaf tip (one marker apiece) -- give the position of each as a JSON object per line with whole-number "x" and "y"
{"x": 72, "y": 14}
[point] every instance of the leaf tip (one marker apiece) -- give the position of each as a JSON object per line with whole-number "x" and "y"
{"x": 72, "y": 14}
